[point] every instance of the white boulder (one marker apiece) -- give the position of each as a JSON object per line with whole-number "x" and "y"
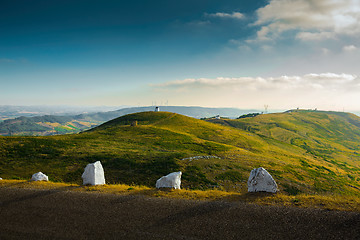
{"x": 261, "y": 181}
{"x": 39, "y": 176}
{"x": 172, "y": 180}
{"x": 0, "y": 178}
{"x": 93, "y": 174}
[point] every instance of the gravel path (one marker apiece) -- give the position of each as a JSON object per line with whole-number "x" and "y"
{"x": 61, "y": 214}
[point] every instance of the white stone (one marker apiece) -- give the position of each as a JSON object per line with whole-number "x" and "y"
{"x": 172, "y": 180}
{"x": 261, "y": 181}
{"x": 93, "y": 174}
{"x": 0, "y": 178}
{"x": 39, "y": 176}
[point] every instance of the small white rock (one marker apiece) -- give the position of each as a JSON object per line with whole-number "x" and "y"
{"x": 172, "y": 180}
{"x": 0, "y": 178}
{"x": 93, "y": 174}
{"x": 39, "y": 176}
{"x": 261, "y": 181}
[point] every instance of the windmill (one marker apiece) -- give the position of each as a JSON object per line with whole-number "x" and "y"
{"x": 266, "y": 108}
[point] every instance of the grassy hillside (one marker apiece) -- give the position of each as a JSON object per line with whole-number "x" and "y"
{"x": 331, "y": 138}
{"x": 55, "y": 124}
{"x": 210, "y": 155}
{"x": 45, "y": 125}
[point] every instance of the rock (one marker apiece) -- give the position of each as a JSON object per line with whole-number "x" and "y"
{"x": 172, "y": 180}
{"x": 93, "y": 174}
{"x": 39, "y": 176}
{"x": 0, "y": 178}
{"x": 261, "y": 181}
{"x": 199, "y": 157}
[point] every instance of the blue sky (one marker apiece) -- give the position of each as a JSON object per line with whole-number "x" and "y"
{"x": 283, "y": 53}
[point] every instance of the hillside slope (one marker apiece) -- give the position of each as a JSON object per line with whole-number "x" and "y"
{"x": 55, "y": 124}
{"x": 210, "y": 155}
{"x": 332, "y": 138}
{"x": 327, "y": 135}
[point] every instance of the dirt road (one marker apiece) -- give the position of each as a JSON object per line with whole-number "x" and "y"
{"x": 60, "y": 214}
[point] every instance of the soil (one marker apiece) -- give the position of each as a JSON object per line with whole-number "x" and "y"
{"x": 62, "y": 214}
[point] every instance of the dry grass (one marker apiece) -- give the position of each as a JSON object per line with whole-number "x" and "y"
{"x": 328, "y": 202}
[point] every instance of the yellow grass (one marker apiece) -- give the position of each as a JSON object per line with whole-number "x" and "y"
{"x": 328, "y": 202}
{"x": 53, "y": 124}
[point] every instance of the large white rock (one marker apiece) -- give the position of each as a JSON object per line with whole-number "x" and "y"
{"x": 172, "y": 180}
{"x": 39, "y": 176}
{"x": 93, "y": 174}
{"x": 261, "y": 181}
{"x": 0, "y": 178}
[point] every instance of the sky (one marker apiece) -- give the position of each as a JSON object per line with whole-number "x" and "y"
{"x": 231, "y": 53}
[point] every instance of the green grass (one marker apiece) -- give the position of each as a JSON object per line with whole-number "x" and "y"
{"x": 306, "y": 152}
{"x": 231, "y": 175}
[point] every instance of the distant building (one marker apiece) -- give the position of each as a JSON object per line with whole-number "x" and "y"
{"x": 157, "y": 109}
{"x": 217, "y": 117}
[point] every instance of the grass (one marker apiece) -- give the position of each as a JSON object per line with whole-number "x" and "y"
{"x": 327, "y": 202}
{"x": 330, "y": 138}
{"x": 306, "y": 152}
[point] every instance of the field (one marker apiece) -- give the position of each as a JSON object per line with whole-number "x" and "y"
{"x": 306, "y": 152}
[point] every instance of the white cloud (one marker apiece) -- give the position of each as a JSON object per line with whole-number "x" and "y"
{"x": 330, "y": 77}
{"x": 312, "y": 19}
{"x": 315, "y": 36}
{"x": 326, "y": 81}
{"x": 325, "y": 51}
{"x": 235, "y": 15}
{"x": 263, "y": 33}
{"x": 199, "y": 23}
{"x": 349, "y": 48}
{"x": 329, "y": 91}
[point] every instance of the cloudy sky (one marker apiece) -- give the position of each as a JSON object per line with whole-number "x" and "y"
{"x": 229, "y": 53}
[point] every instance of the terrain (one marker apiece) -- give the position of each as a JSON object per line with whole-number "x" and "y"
{"x": 331, "y": 138}
{"x": 305, "y": 151}
{"x": 13, "y": 111}
{"x": 29, "y": 121}
{"x": 61, "y": 214}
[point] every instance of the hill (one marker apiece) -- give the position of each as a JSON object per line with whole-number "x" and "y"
{"x": 62, "y": 124}
{"x": 44, "y": 125}
{"x": 13, "y": 111}
{"x": 210, "y": 155}
{"x": 332, "y": 138}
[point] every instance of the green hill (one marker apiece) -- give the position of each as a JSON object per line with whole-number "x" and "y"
{"x": 331, "y": 138}
{"x": 311, "y": 152}
{"x": 55, "y": 124}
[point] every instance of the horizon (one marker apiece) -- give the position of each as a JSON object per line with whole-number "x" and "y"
{"x": 233, "y": 54}
{"x": 105, "y": 108}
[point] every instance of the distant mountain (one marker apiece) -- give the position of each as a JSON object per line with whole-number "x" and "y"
{"x": 55, "y": 124}
{"x": 10, "y": 112}
{"x": 196, "y": 112}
